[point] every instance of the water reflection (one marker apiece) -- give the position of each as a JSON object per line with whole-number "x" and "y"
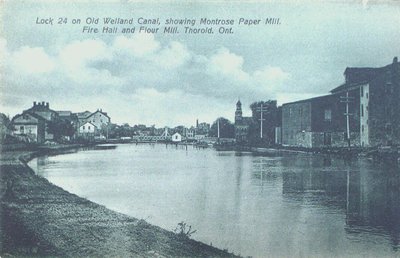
{"x": 368, "y": 193}
{"x": 281, "y": 206}
{"x": 373, "y": 200}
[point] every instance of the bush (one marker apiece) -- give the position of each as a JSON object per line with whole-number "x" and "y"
{"x": 184, "y": 230}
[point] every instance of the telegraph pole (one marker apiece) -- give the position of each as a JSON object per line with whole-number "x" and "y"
{"x": 261, "y": 109}
{"x": 347, "y": 100}
{"x": 218, "y": 127}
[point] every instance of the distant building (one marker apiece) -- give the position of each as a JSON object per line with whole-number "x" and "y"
{"x": 82, "y": 117}
{"x": 190, "y": 133}
{"x": 278, "y": 129}
{"x": 29, "y": 126}
{"x": 68, "y": 116}
{"x": 374, "y": 107}
{"x": 43, "y": 109}
{"x": 242, "y": 124}
{"x": 99, "y": 119}
{"x": 176, "y": 137}
{"x": 87, "y": 131}
{"x": 318, "y": 122}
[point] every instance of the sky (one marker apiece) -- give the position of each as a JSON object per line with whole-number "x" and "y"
{"x": 173, "y": 79}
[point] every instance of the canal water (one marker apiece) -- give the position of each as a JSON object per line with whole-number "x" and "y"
{"x": 296, "y": 205}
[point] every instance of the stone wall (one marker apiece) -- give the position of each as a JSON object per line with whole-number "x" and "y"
{"x": 296, "y": 117}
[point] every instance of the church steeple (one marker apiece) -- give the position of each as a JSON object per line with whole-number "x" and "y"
{"x": 238, "y": 113}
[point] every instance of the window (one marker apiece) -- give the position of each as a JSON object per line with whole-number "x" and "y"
{"x": 362, "y": 91}
{"x": 328, "y": 115}
{"x": 362, "y": 110}
{"x": 362, "y": 128}
{"x": 83, "y": 128}
{"x": 89, "y": 127}
{"x": 21, "y": 129}
{"x": 366, "y": 94}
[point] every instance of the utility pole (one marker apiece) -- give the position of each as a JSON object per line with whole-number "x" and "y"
{"x": 347, "y": 100}
{"x": 218, "y": 127}
{"x": 261, "y": 109}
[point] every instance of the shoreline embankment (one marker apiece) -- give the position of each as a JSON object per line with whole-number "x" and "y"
{"x": 39, "y": 218}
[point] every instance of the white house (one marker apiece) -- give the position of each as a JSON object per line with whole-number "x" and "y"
{"x": 176, "y": 137}
{"x": 99, "y": 119}
{"x": 87, "y": 130}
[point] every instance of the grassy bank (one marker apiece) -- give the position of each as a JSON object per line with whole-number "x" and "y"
{"x": 41, "y": 219}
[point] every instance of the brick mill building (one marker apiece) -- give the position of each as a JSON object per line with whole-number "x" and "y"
{"x": 373, "y": 96}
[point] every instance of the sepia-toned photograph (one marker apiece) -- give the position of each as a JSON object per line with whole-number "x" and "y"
{"x": 167, "y": 128}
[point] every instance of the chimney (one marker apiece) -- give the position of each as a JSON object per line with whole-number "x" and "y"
{"x": 395, "y": 60}
{"x": 34, "y": 103}
{"x": 42, "y": 103}
{"x": 47, "y": 104}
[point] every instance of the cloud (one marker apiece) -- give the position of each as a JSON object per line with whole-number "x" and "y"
{"x": 77, "y": 61}
{"x": 228, "y": 64}
{"x": 271, "y": 77}
{"x": 32, "y": 61}
{"x": 144, "y": 48}
{"x": 173, "y": 56}
{"x": 79, "y": 53}
{"x": 167, "y": 108}
{"x": 167, "y": 81}
{"x": 139, "y": 45}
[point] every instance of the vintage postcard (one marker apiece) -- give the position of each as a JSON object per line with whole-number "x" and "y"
{"x": 171, "y": 128}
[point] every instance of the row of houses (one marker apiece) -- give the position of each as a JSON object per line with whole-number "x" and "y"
{"x": 40, "y": 124}
{"x": 176, "y": 134}
{"x": 364, "y": 111}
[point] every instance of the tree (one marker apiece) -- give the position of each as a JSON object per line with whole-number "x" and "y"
{"x": 115, "y": 131}
{"x": 60, "y": 128}
{"x": 5, "y": 126}
{"x": 226, "y": 128}
{"x": 112, "y": 131}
